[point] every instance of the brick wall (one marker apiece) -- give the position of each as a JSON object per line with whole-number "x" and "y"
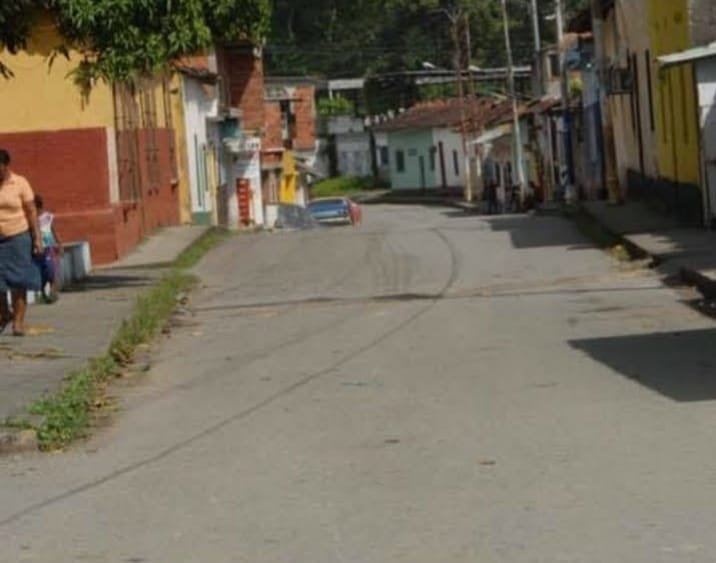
{"x": 69, "y": 169}
{"x": 273, "y": 138}
{"x": 246, "y": 87}
{"x": 305, "y": 110}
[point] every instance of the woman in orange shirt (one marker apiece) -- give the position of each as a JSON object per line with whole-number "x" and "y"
{"x": 19, "y": 240}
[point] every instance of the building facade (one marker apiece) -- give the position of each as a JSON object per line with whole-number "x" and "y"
{"x": 106, "y": 164}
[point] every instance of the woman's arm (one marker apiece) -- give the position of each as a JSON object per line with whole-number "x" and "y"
{"x": 31, "y": 214}
{"x": 58, "y": 242}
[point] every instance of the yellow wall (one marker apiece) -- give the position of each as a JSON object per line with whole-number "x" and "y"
{"x": 289, "y": 179}
{"x": 40, "y": 98}
{"x": 674, "y": 96}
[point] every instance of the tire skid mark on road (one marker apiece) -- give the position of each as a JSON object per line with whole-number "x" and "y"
{"x": 247, "y": 412}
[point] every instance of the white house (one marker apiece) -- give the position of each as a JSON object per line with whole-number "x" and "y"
{"x": 425, "y": 143}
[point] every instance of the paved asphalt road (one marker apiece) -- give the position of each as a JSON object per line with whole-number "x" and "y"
{"x": 429, "y": 387}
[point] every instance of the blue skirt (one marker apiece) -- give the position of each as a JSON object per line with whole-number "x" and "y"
{"x": 17, "y": 269}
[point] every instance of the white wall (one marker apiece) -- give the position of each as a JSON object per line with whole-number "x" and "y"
{"x": 341, "y": 124}
{"x": 706, "y": 79}
{"x": 452, "y": 143}
{"x": 197, "y": 107}
{"x": 354, "y": 154}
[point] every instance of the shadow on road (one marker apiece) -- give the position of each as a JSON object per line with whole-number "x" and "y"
{"x": 679, "y": 365}
{"x": 537, "y": 232}
{"x": 105, "y": 282}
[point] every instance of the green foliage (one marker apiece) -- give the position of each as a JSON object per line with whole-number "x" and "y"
{"x": 342, "y": 38}
{"x": 121, "y": 40}
{"x": 342, "y": 185}
{"x": 339, "y": 105}
{"x": 15, "y": 22}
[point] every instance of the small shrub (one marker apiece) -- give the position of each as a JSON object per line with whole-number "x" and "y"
{"x": 342, "y": 185}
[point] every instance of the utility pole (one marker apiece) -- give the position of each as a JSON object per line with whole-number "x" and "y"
{"x": 565, "y": 168}
{"x": 516, "y": 133}
{"x": 610, "y": 157}
{"x": 457, "y": 19}
{"x": 538, "y": 49}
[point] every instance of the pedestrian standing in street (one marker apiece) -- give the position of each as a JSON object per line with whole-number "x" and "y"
{"x": 20, "y": 239}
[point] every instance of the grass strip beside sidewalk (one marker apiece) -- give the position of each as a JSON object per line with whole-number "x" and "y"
{"x": 67, "y": 414}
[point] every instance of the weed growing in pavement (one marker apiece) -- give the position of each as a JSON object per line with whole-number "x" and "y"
{"x": 67, "y": 414}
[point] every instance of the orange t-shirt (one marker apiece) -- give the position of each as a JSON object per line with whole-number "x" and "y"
{"x": 15, "y": 191}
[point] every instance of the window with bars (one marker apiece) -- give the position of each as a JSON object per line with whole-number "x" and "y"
{"x": 126, "y": 125}
{"x": 148, "y": 105}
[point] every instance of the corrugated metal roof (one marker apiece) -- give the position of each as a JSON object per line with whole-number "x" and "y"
{"x": 688, "y": 56}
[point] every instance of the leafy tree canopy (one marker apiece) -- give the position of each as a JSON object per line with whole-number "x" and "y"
{"x": 123, "y": 39}
{"x": 339, "y": 38}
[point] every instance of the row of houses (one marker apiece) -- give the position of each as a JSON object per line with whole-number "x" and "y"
{"x": 657, "y": 81}
{"x": 212, "y": 140}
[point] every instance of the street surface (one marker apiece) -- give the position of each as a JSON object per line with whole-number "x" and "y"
{"x": 429, "y": 387}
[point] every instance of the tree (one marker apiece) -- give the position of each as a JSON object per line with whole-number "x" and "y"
{"x": 15, "y": 21}
{"x": 120, "y": 40}
{"x": 340, "y": 38}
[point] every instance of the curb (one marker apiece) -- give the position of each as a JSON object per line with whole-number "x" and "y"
{"x": 704, "y": 284}
{"x": 693, "y": 278}
{"x": 635, "y": 251}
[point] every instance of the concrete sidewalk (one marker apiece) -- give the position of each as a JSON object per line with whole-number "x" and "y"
{"x": 684, "y": 251}
{"x": 81, "y": 325}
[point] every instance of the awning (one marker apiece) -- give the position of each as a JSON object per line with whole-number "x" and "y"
{"x": 688, "y": 56}
{"x": 493, "y": 134}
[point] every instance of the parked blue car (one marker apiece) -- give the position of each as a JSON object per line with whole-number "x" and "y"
{"x": 331, "y": 210}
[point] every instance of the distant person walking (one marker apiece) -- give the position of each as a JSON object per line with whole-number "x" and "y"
{"x": 20, "y": 239}
{"x": 48, "y": 262}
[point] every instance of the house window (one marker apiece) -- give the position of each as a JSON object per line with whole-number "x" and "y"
{"x": 433, "y": 151}
{"x": 456, "y": 162}
{"x": 400, "y": 161}
{"x": 384, "y": 156}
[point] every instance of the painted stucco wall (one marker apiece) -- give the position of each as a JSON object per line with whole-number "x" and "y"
{"x": 628, "y": 43}
{"x": 354, "y": 157}
{"x": 414, "y": 145}
{"x": 703, "y": 22}
{"x": 198, "y": 105}
{"x": 40, "y": 97}
{"x": 706, "y": 75}
{"x": 674, "y": 96}
{"x": 452, "y": 150}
